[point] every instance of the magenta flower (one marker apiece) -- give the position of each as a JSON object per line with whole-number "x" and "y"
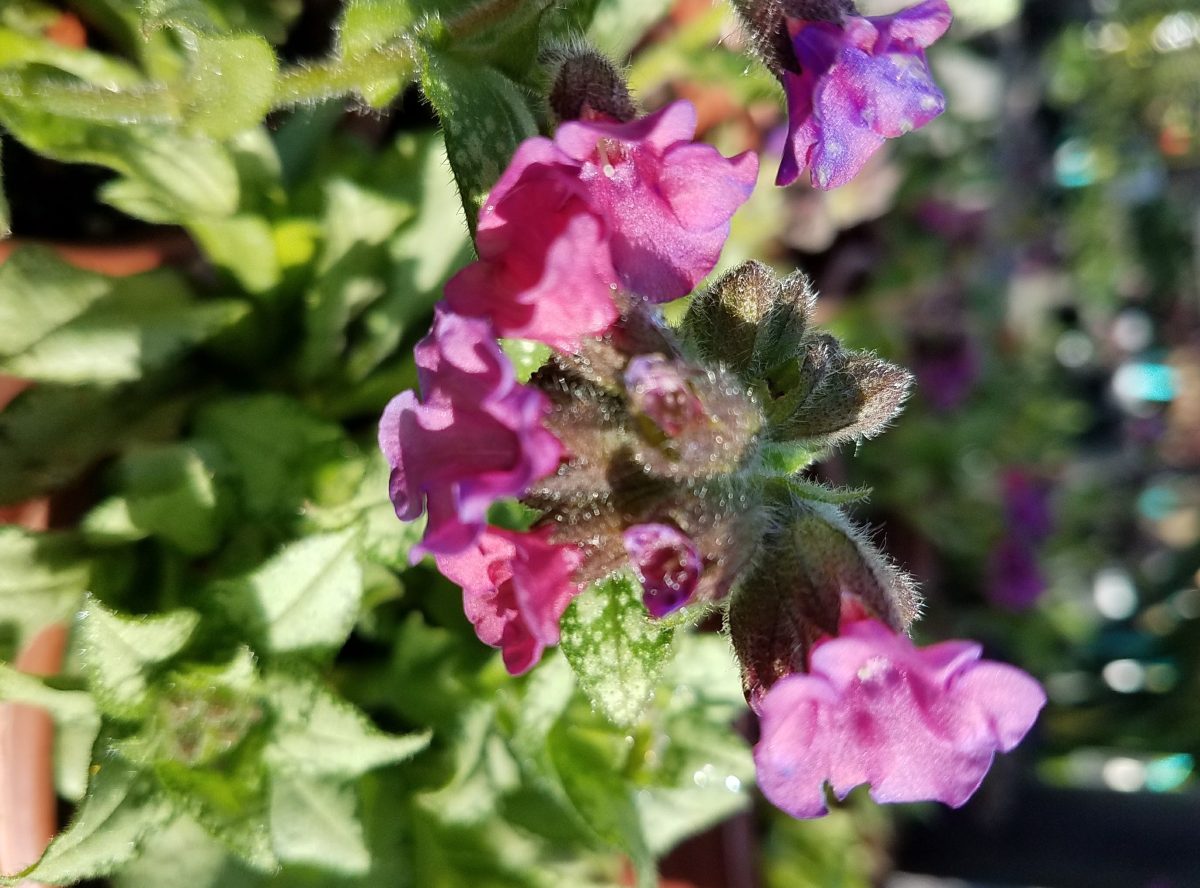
{"x": 516, "y": 587}
{"x": 658, "y": 390}
{"x": 667, "y": 200}
{"x": 545, "y": 267}
{"x": 475, "y": 436}
{"x": 861, "y": 81}
{"x": 667, "y": 564}
{"x": 637, "y": 205}
{"x": 914, "y": 724}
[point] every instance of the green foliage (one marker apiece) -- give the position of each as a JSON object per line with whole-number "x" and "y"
{"x": 42, "y": 581}
{"x": 616, "y": 650}
{"x": 260, "y": 689}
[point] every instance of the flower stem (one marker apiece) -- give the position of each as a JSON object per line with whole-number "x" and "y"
{"x": 302, "y": 84}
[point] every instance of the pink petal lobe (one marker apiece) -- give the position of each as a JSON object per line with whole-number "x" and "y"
{"x": 915, "y": 724}
{"x": 516, "y": 586}
{"x": 474, "y": 437}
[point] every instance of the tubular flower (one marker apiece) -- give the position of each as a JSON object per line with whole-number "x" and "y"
{"x": 667, "y": 564}
{"x": 516, "y": 587}
{"x": 475, "y": 435}
{"x": 915, "y": 724}
{"x": 861, "y": 80}
{"x": 637, "y": 205}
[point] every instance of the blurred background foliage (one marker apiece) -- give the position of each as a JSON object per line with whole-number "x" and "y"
{"x": 229, "y": 224}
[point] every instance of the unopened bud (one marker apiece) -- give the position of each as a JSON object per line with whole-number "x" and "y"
{"x": 818, "y": 10}
{"x": 587, "y": 85}
{"x": 749, "y": 320}
{"x": 809, "y": 573}
{"x": 852, "y": 395}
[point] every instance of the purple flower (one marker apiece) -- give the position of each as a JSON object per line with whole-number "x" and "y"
{"x": 915, "y": 724}
{"x": 1027, "y": 505}
{"x": 947, "y": 369}
{"x": 475, "y": 436}
{"x": 667, "y": 564}
{"x": 861, "y": 81}
{"x": 1014, "y": 579}
{"x": 637, "y": 205}
{"x": 658, "y": 390}
{"x": 516, "y": 587}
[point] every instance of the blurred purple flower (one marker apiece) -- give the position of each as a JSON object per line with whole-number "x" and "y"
{"x": 474, "y": 436}
{"x": 667, "y": 564}
{"x": 1027, "y": 505}
{"x": 861, "y": 80}
{"x": 946, "y": 368}
{"x": 1014, "y": 579}
{"x": 915, "y": 724}
{"x": 516, "y": 586}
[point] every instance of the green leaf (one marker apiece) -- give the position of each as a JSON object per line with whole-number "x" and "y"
{"x": 484, "y": 117}
{"x": 229, "y": 802}
{"x": 65, "y": 325}
{"x": 305, "y": 597}
{"x": 43, "y": 578}
{"x": 313, "y": 822}
{"x": 352, "y": 270}
{"x": 230, "y": 82}
{"x": 618, "y": 25}
{"x": 118, "y": 654}
{"x": 169, "y": 493}
{"x": 588, "y": 760}
{"x": 366, "y": 507}
{"x": 121, "y": 810}
{"x": 318, "y": 734}
{"x": 51, "y": 433}
{"x": 244, "y": 246}
{"x": 168, "y": 176}
{"x": 526, "y": 355}
{"x": 273, "y": 446}
{"x": 617, "y": 652}
{"x": 65, "y": 707}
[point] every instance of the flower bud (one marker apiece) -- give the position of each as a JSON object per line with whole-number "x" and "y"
{"x": 810, "y": 573}
{"x": 833, "y": 395}
{"x": 749, "y": 320}
{"x": 587, "y": 86}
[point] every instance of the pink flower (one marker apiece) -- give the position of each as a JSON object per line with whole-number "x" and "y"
{"x": 915, "y": 724}
{"x": 605, "y": 204}
{"x": 860, "y": 82}
{"x": 475, "y": 436}
{"x": 667, "y": 200}
{"x": 516, "y": 587}
{"x": 667, "y": 564}
{"x": 545, "y": 267}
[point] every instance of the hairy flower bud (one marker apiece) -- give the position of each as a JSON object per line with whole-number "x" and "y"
{"x": 587, "y": 86}
{"x": 751, "y": 321}
{"x": 832, "y": 395}
{"x": 809, "y": 575}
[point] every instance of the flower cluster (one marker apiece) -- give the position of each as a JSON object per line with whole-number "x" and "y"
{"x": 671, "y": 455}
{"x": 607, "y": 212}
